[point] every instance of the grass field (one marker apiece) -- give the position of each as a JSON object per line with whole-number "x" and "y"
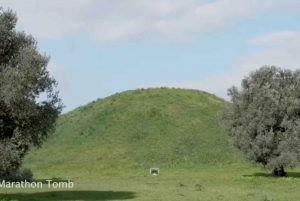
{"x": 107, "y": 147}
{"x": 211, "y": 184}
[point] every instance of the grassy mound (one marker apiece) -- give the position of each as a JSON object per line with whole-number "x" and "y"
{"x": 138, "y": 129}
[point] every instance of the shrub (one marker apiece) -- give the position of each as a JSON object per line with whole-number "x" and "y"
{"x": 18, "y": 176}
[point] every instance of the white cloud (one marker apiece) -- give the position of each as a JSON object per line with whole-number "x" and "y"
{"x": 282, "y": 50}
{"x": 147, "y": 19}
{"x": 284, "y": 39}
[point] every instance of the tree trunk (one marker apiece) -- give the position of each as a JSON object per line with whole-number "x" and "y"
{"x": 279, "y": 172}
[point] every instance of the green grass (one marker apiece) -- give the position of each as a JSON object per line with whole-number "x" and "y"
{"x": 233, "y": 183}
{"x": 108, "y": 146}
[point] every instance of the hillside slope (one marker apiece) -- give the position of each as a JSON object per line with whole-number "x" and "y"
{"x": 138, "y": 129}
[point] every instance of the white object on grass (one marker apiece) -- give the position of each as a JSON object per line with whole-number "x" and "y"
{"x": 154, "y": 171}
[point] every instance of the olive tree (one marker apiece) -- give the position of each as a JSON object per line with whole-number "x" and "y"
{"x": 263, "y": 118}
{"x": 25, "y": 120}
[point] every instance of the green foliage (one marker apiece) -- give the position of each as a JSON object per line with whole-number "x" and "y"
{"x": 263, "y": 118}
{"x": 23, "y": 77}
{"x": 166, "y": 128}
{"x": 22, "y": 174}
{"x": 5, "y": 199}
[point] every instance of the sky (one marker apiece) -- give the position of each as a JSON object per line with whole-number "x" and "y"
{"x": 101, "y": 47}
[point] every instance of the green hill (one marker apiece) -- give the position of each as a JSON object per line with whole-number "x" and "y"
{"x": 138, "y": 129}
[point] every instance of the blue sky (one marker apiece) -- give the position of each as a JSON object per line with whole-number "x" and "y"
{"x": 100, "y": 47}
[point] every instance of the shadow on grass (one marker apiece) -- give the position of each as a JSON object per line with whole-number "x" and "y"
{"x": 71, "y": 195}
{"x": 45, "y": 181}
{"x": 260, "y": 174}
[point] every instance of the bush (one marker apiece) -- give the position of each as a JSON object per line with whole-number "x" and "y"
{"x": 5, "y": 199}
{"x": 21, "y": 175}
{"x": 26, "y": 174}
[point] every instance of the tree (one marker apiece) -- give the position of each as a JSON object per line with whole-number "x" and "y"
{"x": 24, "y": 121}
{"x": 263, "y": 118}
